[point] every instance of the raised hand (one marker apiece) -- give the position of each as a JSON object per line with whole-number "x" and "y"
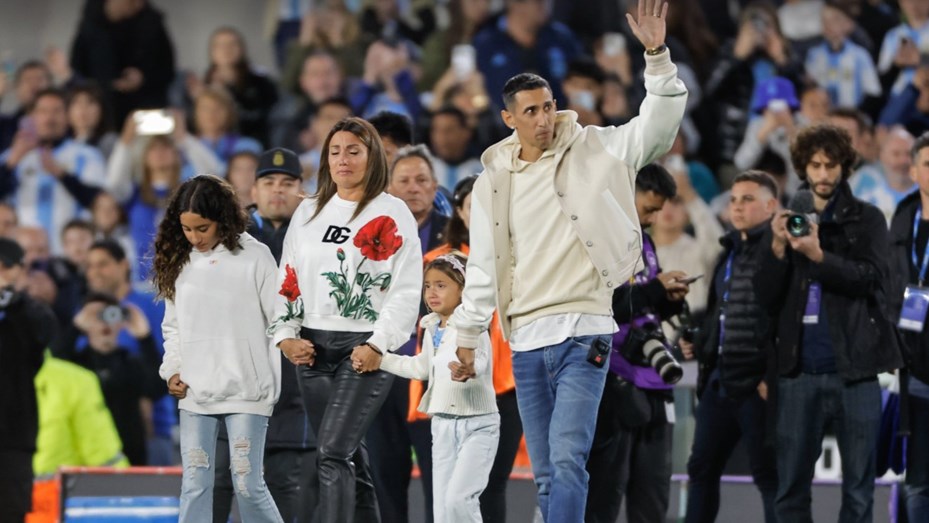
{"x": 650, "y": 26}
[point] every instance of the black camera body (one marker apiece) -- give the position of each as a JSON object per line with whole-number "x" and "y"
{"x": 646, "y": 346}
{"x": 798, "y": 224}
{"x": 598, "y": 352}
{"x": 802, "y": 213}
{"x": 114, "y": 314}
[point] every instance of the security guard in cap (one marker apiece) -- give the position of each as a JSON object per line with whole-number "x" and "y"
{"x": 290, "y": 448}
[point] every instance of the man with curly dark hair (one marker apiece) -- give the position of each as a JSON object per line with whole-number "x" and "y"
{"x": 827, "y": 290}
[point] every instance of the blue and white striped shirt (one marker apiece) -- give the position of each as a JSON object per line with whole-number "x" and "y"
{"x": 848, "y": 75}
{"x": 919, "y": 36}
{"x": 41, "y": 200}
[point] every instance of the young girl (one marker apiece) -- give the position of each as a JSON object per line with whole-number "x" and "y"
{"x": 219, "y": 286}
{"x": 465, "y": 422}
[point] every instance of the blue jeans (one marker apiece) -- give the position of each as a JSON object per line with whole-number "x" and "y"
{"x": 721, "y": 423}
{"x": 198, "y": 449}
{"x": 917, "y": 461}
{"x": 558, "y": 393}
{"x": 806, "y": 404}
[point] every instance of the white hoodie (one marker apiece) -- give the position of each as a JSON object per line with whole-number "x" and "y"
{"x": 214, "y": 331}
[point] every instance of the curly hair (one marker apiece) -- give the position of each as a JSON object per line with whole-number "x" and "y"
{"x": 212, "y": 198}
{"x": 376, "y": 174}
{"x": 828, "y": 139}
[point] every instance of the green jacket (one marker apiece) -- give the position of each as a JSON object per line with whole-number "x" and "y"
{"x": 75, "y": 427}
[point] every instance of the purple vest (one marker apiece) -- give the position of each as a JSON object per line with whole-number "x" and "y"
{"x": 642, "y": 377}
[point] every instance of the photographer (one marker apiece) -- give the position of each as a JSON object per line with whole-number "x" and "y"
{"x": 631, "y": 451}
{"x": 27, "y": 327}
{"x": 825, "y": 278}
{"x": 732, "y": 357}
{"x": 126, "y": 376}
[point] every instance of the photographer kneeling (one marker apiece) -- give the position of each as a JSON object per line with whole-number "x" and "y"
{"x": 633, "y": 434}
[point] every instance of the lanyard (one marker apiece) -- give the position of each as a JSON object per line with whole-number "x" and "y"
{"x": 922, "y": 268}
{"x": 727, "y": 277}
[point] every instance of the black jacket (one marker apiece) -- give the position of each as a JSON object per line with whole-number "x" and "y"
{"x": 730, "y": 87}
{"x": 749, "y": 329}
{"x": 914, "y": 345}
{"x": 27, "y": 328}
{"x": 102, "y": 50}
{"x": 288, "y": 427}
{"x": 855, "y": 282}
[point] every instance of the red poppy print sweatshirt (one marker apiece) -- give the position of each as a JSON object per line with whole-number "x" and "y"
{"x": 356, "y": 275}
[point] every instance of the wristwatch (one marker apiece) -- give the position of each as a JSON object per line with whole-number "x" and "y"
{"x": 656, "y": 50}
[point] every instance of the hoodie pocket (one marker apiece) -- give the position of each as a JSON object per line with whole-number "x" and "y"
{"x": 220, "y": 369}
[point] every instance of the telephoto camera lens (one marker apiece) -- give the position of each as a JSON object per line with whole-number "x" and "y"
{"x": 661, "y": 360}
{"x": 798, "y": 225}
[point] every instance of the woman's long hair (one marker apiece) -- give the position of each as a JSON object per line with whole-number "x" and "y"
{"x": 210, "y": 197}
{"x": 93, "y": 92}
{"x": 146, "y": 191}
{"x": 242, "y": 67}
{"x": 224, "y": 98}
{"x": 376, "y": 174}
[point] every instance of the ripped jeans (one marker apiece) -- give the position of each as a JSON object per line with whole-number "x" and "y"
{"x": 246, "y": 448}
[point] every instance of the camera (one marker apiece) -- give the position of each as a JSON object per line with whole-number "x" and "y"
{"x": 802, "y": 213}
{"x": 113, "y": 314}
{"x": 798, "y": 225}
{"x": 689, "y": 328}
{"x": 645, "y": 345}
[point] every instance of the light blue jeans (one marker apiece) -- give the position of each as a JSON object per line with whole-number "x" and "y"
{"x": 246, "y": 449}
{"x": 559, "y": 392}
{"x": 463, "y": 452}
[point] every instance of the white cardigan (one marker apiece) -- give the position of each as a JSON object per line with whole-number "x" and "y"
{"x": 445, "y": 396}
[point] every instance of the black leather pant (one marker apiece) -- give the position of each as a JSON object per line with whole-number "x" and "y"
{"x": 341, "y": 404}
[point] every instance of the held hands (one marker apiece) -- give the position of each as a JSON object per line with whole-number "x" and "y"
{"x": 365, "y": 359}
{"x": 464, "y": 370}
{"x": 650, "y": 26}
{"x": 298, "y": 352}
{"x": 176, "y": 387}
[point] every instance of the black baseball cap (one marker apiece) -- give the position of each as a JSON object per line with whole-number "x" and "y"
{"x": 10, "y": 253}
{"x": 279, "y": 161}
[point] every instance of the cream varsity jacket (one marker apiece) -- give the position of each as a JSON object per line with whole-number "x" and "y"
{"x": 595, "y": 186}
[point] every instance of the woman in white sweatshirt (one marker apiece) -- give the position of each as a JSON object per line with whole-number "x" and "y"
{"x": 465, "y": 420}
{"x": 351, "y": 273}
{"x": 219, "y": 285}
